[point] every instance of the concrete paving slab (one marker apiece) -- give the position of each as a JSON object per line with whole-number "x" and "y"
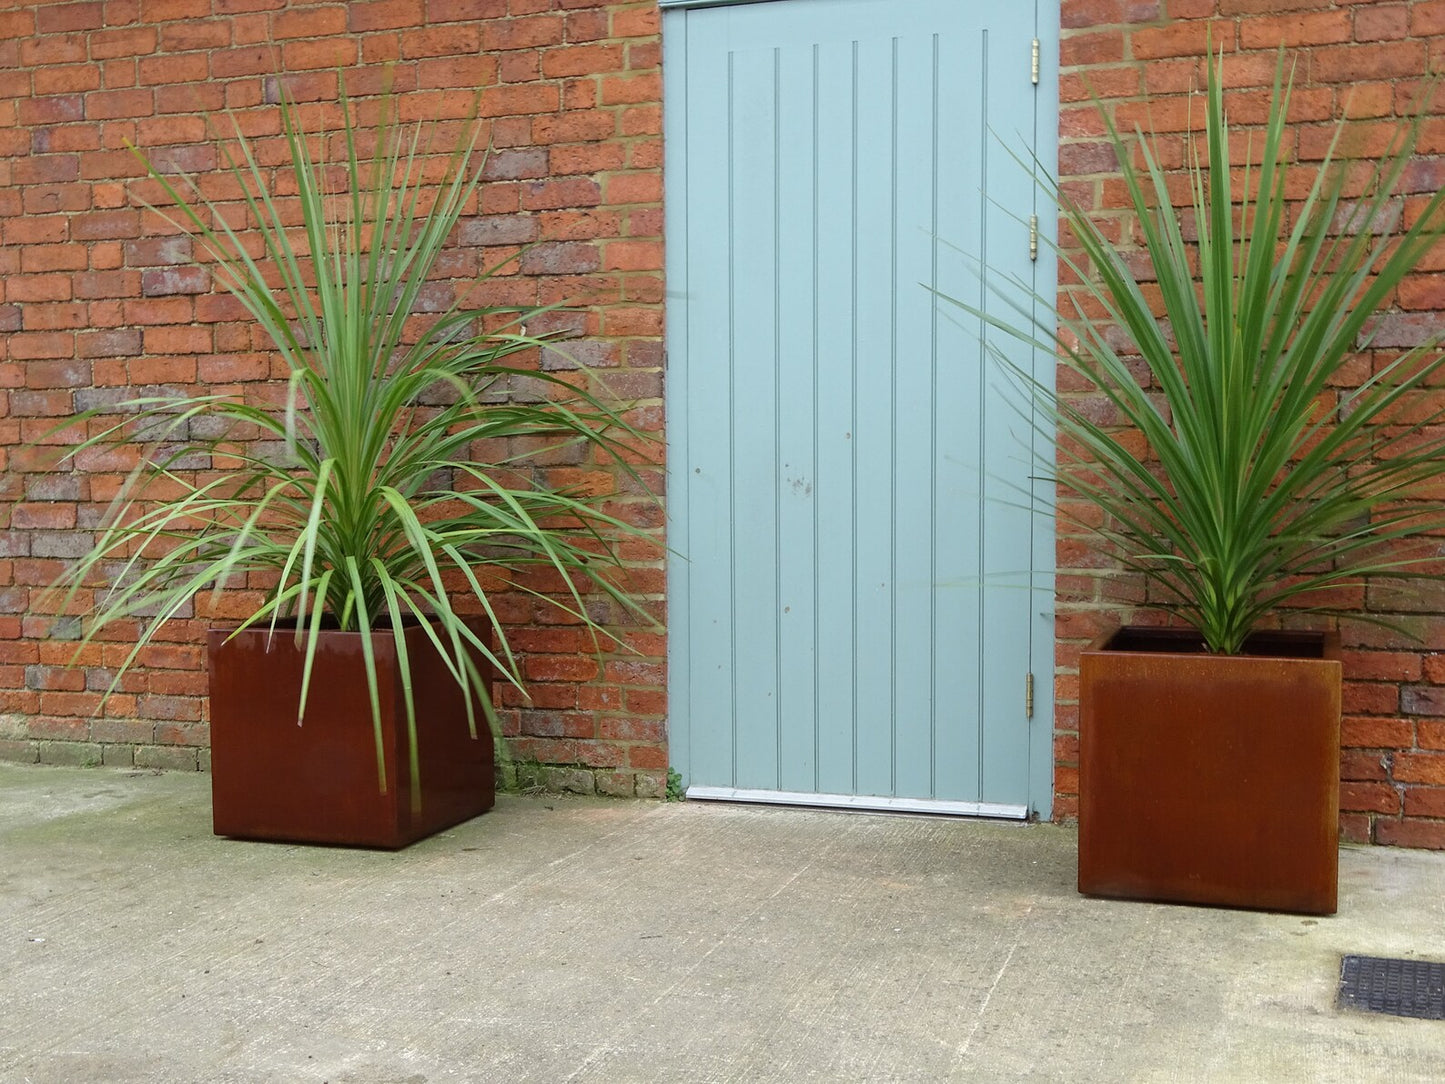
{"x": 565, "y": 939}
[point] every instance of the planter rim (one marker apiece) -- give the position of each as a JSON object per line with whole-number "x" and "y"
{"x": 1301, "y": 644}
{"x": 289, "y": 625}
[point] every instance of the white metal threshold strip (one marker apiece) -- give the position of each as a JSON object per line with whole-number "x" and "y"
{"x": 860, "y": 801}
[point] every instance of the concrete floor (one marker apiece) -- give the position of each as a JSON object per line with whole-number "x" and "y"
{"x": 561, "y": 939}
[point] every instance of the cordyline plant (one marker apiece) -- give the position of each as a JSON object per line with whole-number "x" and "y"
{"x": 1250, "y": 496}
{"x": 377, "y": 515}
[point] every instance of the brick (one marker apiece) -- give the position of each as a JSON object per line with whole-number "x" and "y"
{"x": 103, "y": 225}
{"x": 1355, "y": 827}
{"x": 637, "y": 22}
{"x": 1356, "y": 765}
{"x": 40, "y": 345}
{"x": 122, "y": 42}
{"x": 384, "y": 15}
{"x": 576, "y": 60}
{"x": 632, "y": 730}
{"x": 498, "y": 230}
{"x": 194, "y": 36}
{"x": 46, "y": 169}
{"x": 620, "y": 89}
{"x": 175, "y": 280}
{"x": 560, "y": 259}
{"x": 441, "y": 41}
{"x": 38, "y": 288}
{"x": 1425, "y": 802}
{"x": 1427, "y": 19}
{"x": 1429, "y": 835}
{"x": 62, "y": 18}
{"x": 634, "y": 188}
{"x": 453, "y": 71}
{"x": 325, "y": 53}
{"x": 233, "y": 369}
{"x": 1375, "y": 733}
{"x": 560, "y": 668}
{"x": 1306, "y": 28}
{"x": 250, "y": 60}
{"x": 117, "y": 755}
{"x": 585, "y": 26}
{"x": 166, "y": 757}
{"x": 183, "y": 734}
{"x": 516, "y": 163}
{"x": 647, "y": 756}
{"x": 1423, "y": 700}
{"x": 1419, "y": 768}
{"x": 309, "y": 22}
{"x": 521, "y": 33}
{"x": 15, "y": 25}
{"x": 176, "y": 340}
{"x": 158, "y": 251}
{"x": 160, "y": 310}
{"x": 74, "y": 754}
{"x": 518, "y": 100}
{"x": 69, "y": 79}
{"x": 48, "y": 516}
{"x": 615, "y": 784}
{"x": 58, "y": 730}
{"x": 570, "y": 192}
{"x": 1370, "y": 798}
{"x": 53, "y": 49}
{"x": 1381, "y": 22}
{"x": 1084, "y": 158}
{"x": 108, "y": 344}
{"x": 640, "y": 120}
{"x": 39, "y": 258}
{"x": 19, "y": 751}
{"x": 579, "y": 126}
{"x": 1088, "y": 49}
{"x": 1353, "y": 63}
{"x": 633, "y": 256}
{"x": 1405, "y": 330}
{"x": 161, "y": 11}
{"x": 442, "y": 11}
{"x": 122, "y": 731}
{"x": 569, "y": 781}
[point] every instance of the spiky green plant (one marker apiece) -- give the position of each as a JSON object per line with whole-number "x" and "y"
{"x": 1251, "y": 496}
{"x": 376, "y": 514}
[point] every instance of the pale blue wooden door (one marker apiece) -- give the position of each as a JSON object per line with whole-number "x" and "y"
{"x": 850, "y": 609}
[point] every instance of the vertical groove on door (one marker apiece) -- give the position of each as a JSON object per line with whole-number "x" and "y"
{"x": 983, "y": 510}
{"x": 778, "y": 461}
{"x": 817, "y": 474}
{"x": 895, "y": 487}
{"x": 732, "y": 425}
{"x": 933, "y": 431}
{"x": 853, "y": 402}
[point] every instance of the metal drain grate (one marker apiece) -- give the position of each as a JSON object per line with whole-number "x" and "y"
{"x": 1397, "y": 987}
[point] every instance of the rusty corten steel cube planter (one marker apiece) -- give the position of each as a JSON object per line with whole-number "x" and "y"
{"x": 318, "y": 783}
{"x": 1208, "y": 778}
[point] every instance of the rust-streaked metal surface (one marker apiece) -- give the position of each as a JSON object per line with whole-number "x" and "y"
{"x": 1210, "y": 779}
{"x": 318, "y": 782}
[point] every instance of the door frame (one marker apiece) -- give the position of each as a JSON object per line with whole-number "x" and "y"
{"x": 1042, "y": 544}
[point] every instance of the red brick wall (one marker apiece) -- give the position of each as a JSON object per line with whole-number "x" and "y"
{"x": 1362, "y": 60}
{"x": 96, "y": 299}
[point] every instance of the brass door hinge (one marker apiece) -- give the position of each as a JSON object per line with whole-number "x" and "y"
{"x": 1029, "y": 696}
{"x": 1034, "y": 65}
{"x": 1033, "y": 237}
